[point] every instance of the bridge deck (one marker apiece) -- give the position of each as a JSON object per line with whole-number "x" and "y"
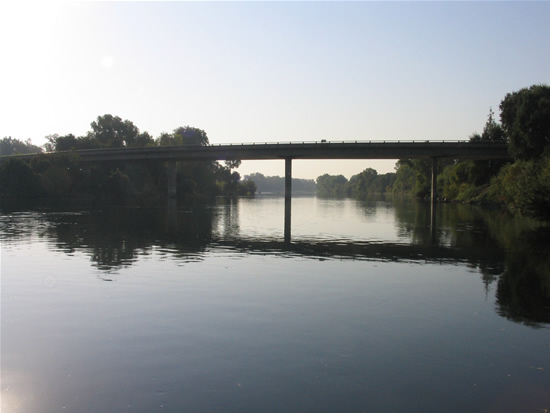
{"x": 316, "y": 150}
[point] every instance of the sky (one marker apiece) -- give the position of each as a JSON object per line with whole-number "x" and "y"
{"x": 269, "y": 71}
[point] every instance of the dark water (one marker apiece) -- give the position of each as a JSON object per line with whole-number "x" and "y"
{"x": 205, "y": 308}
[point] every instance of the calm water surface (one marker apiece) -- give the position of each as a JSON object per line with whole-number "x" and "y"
{"x": 204, "y": 308}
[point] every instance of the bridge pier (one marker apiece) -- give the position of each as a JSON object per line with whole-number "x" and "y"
{"x": 433, "y": 202}
{"x": 434, "y": 180}
{"x": 171, "y": 172}
{"x": 288, "y": 197}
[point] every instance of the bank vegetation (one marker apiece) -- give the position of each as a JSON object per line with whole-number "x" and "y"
{"x": 521, "y": 184}
{"x": 59, "y": 173}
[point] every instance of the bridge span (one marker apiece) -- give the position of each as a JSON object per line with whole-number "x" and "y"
{"x": 288, "y": 151}
{"x": 303, "y": 150}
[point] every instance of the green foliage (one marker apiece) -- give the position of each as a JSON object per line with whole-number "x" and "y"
{"x": 332, "y": 185}
{"x": 63, "y": 175}
{"x": 112, "y": 132}
{"x": 70, "y": 142}
{"x": 525, "y": 117}
{"x": 117, "y": 184}
{"x": 17, "y": 179}
{"x": 11, "y": 146}
{"x": 364, "y": 183}
{"x": 277, "y": 183}
{"x": 144, "y": 139}
{"x": 481, "y": 171}
{"x": 525, "y": 186}
{"x": 457, "y": 180}
{"x": 232, "y": 163}
{"x": 359, "y": 184}
{"x": 492, "y": 131}
{"x": 60, "y": 175}
{"x": 405, "y": 178}
{"x": 413, "y": 176}
{"x": 454, "y": 179}
{"x": 369, "y": 182}
{"x": 229, "y": 183}
{"x": 108, "y": 131}
{"x": 247, "y": 187}
{"x": 184, "y": 135}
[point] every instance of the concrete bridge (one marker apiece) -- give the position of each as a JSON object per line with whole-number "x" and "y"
{"x": 288, "y": 151}
{"x": 297, "y": 150}
{"x": 303, "y": 150}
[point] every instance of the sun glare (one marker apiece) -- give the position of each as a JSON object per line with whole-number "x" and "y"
{"x": 107, "y": 62}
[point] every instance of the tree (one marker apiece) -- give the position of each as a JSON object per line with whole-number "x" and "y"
{"x": 144, "y": 139}
{"x": 62, "y": 143}
{"x": 187, "y": 135}
{"x": 184, "y": 135}
{"x": 405, "y": 177}
{"x": 361, "y": 183}
{"x": 492, "y": 131}
{"x": 112, "y": 132}
{"x": 17, "y": 179}
{"x": 525, "y": 117}
{"x": 192, "y": 176}
{"x": 481, "y": 172}
{"x": 232, "y": 163}
{"x": 331, "y": 185}
{"x": 11, "y": 146}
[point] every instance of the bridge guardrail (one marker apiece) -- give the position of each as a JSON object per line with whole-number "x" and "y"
{"x": 323, "y": 141}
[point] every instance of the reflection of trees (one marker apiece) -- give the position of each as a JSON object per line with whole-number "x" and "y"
{"x": 459, "y": 227}
{"x": 229, "y": 208}
{"x": 115, "y": 236}
{"x": 506, "y": 251}
{"x": 509, "y": 251}
{"x": 523, "y": 290}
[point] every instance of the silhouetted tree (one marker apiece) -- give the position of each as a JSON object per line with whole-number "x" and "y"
{"x": 112, "y": 132}
{"x": 525, "y": 117}
{"x": 11, "y": 146}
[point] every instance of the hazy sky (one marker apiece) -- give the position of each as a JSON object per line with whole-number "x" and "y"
{"x": 269, "y": 71}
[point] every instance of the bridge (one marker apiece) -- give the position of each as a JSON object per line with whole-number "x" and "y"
{"x": 288, "y": 151}
{"x": 299, "y": 150}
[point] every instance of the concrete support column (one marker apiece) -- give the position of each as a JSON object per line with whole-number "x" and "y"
{"x": 434, "y": 180}
{"x": 288, "y": 196}
{"x": 171, "y": 172}
{"x": 433, "y": 231}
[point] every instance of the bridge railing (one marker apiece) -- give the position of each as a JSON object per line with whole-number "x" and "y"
{"x": 319, "y": 143}
{"x": 324, "y": 141}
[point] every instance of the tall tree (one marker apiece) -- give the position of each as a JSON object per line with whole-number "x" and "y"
{"x": 184, "y": 135}
{"x": 112, "y": 132}
{"x": 188, "y": 135}
{"x": 525, "y": 117}
{"x": 192, "y": 176}
{"x": 332, "y": 185}
{"x": 481, "y": 171}
{"x": 361, "y": 183}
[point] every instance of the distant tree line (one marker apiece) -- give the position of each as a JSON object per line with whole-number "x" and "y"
{"x": 61, "y": 174}
{"x": 522, "y": 184}
{"x": 276, "y": 184}
{"x": 366, "y": 182}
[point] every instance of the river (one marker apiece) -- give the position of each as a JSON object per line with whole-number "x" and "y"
{"x": 203, "y": 307}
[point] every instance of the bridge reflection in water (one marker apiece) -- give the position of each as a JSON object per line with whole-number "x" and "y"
{"x": 503, "y": 252}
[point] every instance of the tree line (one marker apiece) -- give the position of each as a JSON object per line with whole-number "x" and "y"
{"x": 62, "y": 175}
{"x": 522, "y": 184}
{"x": 276, "y": 184}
